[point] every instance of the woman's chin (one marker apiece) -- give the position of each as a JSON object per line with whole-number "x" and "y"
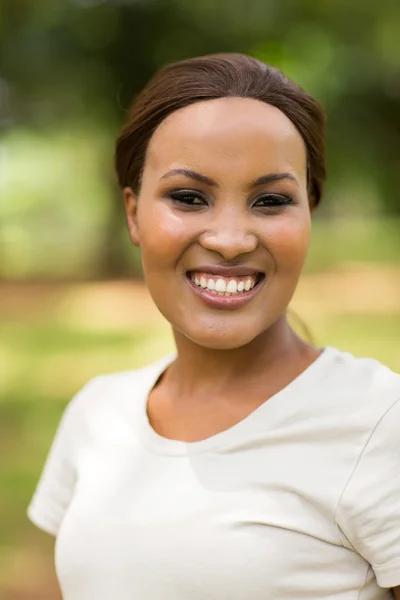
{"x": 220, "y": 339}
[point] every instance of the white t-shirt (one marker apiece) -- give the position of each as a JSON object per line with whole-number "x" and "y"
{"x": 301, "y": 499}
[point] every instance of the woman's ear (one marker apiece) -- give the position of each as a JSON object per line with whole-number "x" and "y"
{"x": 130, "y": 203}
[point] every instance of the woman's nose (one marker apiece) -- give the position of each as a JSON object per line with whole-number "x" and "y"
{"x": 229, "y": 238}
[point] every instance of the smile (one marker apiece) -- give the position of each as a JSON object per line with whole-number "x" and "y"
{"x": 223, "y": 291}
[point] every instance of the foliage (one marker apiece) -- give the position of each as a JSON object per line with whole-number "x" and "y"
{"x": 69, "y": 69}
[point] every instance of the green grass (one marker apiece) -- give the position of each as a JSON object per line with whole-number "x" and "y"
{"x": 29, "y": 418}
{"x": 339, "y": 241}
{"x": 29, "y": 412}
{"x": 48, "y": 338}
{"x": 374, "y": 336}
{"x": 30, "y": 409}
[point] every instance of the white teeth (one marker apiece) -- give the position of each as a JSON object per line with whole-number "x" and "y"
{"x": 224, "y": 287}
{"x": 232, "y": 287}
{"x": 220, "y": 285}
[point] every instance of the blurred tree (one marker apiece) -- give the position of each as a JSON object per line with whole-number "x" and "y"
{"x": 64, "y": 61}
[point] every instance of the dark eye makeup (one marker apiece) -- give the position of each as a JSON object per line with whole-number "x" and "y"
{"x": 273, "y": 200}
{"x": 194, "y": 199}
{"x": 188, "y": 198}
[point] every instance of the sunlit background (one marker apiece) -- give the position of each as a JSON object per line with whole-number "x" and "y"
{"x": 72, "y": 304}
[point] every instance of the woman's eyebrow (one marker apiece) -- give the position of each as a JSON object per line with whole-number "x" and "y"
{"x": 191, "y": 175}
{"x": 264, "y": 179}
{"x": 271, "y": 177}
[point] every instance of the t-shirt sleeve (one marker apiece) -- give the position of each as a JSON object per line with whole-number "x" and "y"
{"x": 57, "y": 481}
{"x": 369, "y": 510}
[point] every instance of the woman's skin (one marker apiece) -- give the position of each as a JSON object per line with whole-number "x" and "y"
{"x": 230, "y": 360}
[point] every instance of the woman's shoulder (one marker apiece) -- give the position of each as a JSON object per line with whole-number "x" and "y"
{"x": 111, "y": 388}
{"x": 364, "y": 368}
{"x": 140, "y": 375}
{"x": 361, "y": 382}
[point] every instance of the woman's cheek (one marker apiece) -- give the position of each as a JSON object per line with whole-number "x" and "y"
{"x": 167, "y": 233}
{"x": 289, "y": 240}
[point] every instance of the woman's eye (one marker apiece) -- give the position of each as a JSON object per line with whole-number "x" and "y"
{"x": 188, "y": 198}
{"x": 273, "y": 201}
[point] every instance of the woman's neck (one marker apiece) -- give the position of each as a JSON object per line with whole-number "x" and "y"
{"x": 272, "y": 359}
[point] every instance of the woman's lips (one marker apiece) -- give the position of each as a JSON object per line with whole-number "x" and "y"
{"x": 214, "y": 300}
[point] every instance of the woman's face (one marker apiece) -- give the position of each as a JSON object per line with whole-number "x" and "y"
{"x": 223, "y": 207}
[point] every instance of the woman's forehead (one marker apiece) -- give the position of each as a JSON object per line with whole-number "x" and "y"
{"x": 228, "y": 132}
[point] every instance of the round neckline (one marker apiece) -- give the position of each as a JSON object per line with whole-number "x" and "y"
{"x": 159, "y": 444}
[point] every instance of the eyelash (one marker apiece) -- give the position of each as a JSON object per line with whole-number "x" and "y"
{"x": 186, "y": 197}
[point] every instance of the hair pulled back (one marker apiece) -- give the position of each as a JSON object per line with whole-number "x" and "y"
{"x": 219, "y": 76}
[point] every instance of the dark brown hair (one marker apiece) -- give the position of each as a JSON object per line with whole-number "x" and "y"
{"x": 219, "y": 76}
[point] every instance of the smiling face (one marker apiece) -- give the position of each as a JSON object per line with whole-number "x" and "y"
{"x": 223, "y": 204}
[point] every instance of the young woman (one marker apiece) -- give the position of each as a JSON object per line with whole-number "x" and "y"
{"x": 250, "y": 464}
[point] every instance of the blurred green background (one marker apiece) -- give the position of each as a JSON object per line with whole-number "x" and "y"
{"x": 72, "y": 303}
